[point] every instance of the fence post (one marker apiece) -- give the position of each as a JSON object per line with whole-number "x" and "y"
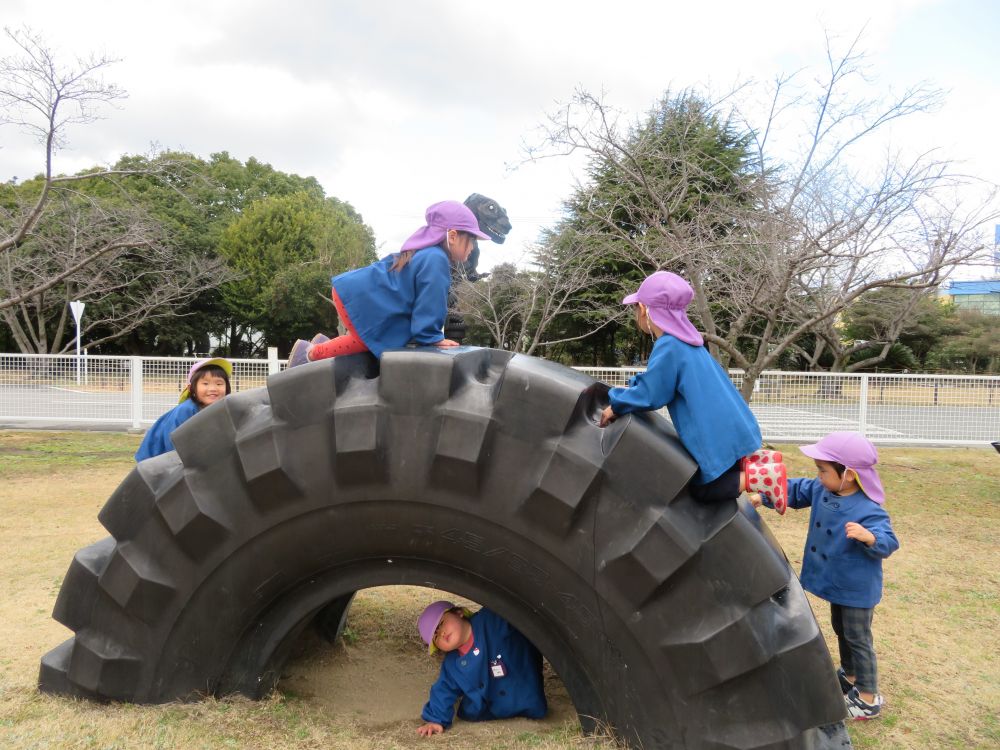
{"x": 135, "y": 381}
{"x": 273, "y": 365}
{"x": 863, "y": 407}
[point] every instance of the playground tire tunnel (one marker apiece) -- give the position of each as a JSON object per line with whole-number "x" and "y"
{"x": 676, "y": 624}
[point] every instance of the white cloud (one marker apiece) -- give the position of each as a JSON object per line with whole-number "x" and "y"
{"x": 393, "y": 106}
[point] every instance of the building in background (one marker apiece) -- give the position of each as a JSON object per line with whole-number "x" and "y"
{"x": 981, "y": 295}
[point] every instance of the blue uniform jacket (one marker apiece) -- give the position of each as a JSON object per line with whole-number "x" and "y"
{"x": 840, "y": 570}
{"x": 157, "y": 439}
{"x": 391, "y": 308}
{"x": 470, "y": 677}
{"x": 711, "y": 418}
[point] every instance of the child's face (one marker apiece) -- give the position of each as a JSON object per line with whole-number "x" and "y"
{"x": 209, "y": 388}
{"x": 451, "y": 632}
{"x": 641, "y": 319}
{"x": 843, "y": 484}
{"x": 459, "y": 246}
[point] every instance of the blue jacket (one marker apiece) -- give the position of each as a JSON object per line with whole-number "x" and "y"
{"x": 840, "y": 570}
{"x": 711, "y": 418}
{"x": 157, "y": 439}
{"x": 391, "y": 308}
{"x": 485, "y": 696}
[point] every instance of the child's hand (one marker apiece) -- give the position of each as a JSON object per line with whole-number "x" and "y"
{"x": 860, "y": 533}
{"x": 755, "y": 499}
{"x": 445, "y": 343}
{"x": 430, "y": 728}
{"x": 607, "y": 416}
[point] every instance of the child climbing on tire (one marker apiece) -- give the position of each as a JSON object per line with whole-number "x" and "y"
{"x": 488, "y": 664}
{"x": 711, "y": 418}
{"x": 849, "y": 536}
{"x": 404, "y": 296}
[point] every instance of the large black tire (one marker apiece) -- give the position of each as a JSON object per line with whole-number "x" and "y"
{"x": 678, "y": 625}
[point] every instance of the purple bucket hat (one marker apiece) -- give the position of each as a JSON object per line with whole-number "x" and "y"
{"x": 440, "y": 218}
{"x": 225, "y": 364}
{"x": 855, "y": 452}
{"x": 666, "y": 295}
{"x": 429, "y": 619}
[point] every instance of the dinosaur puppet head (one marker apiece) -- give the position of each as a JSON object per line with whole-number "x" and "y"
{"x": 491, "y": 215}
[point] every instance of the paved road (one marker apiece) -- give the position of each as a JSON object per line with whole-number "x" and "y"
{"x": 49, "y": 407}
{"x": 69, "y": 408}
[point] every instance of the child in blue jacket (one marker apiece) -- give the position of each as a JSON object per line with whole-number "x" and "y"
{"x": 849, "y": 535}
{"x": 207, "y": 382}
{"x": 711, "y": 418}
{"x": 495, "y": 670}
{"x": 404, "y": 296}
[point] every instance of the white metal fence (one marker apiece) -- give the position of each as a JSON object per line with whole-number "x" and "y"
{"x": 131, "y": 392}
{"x": 912, "y": 409}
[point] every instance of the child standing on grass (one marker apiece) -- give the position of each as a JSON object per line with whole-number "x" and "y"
{"x": 207, "y": 382}
{"x": 849, "y": 535}
{"x": 711, "y": 418}
{"x": 403, "y": 297}
{"x": 488, "y": 664}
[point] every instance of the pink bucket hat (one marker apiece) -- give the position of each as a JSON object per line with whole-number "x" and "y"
{"x": 666, "y": 295}
{"x": 429, "y": 619}
{"x": 855, "y": 452}
{"x": 225, "y": 364}
{"x": 440, "y": 218}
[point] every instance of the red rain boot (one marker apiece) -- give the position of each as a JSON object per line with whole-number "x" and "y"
{"x": 765, "y": 473}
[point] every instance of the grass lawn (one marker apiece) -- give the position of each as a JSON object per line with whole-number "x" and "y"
{"x": 939, "y": 661}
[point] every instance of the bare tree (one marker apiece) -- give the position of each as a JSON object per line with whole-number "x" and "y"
{"x": 523, "y": 309}
{"x": 133, "y": 275}
{"x": 934, "y": 239}
{"x": 46, "y": 99}
{"x": 62, "y": 239}
{"x": 775, "y": 247}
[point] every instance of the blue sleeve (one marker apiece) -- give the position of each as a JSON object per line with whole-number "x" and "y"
{"x": 440, "y": 707}
{"x": 157, "y": 440}
{"x": 800, "y": 494}
{"x": 885, "y": 538}
{"x": 649, "y": 390}
{"x": 432, "y": 280}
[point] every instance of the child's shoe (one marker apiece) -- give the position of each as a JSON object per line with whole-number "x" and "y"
{"x": 766, "y": 474}
{"x": 299, "y": 354}
{"x": 858, "y": 710}
{"x": 319, "y": 338}
{"x": 846, "y": 685}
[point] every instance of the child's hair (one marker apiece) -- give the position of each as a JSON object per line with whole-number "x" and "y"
{"x": 839, "y": 468}
{"x": 405, "y": 256}
{"x": 208, "y": 370}
{"x": 401, "y": 260}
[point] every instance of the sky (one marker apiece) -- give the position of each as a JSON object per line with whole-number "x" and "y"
{"x": 395, "y": 105}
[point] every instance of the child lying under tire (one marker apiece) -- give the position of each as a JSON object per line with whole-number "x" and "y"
{"x": 488, "y": 664}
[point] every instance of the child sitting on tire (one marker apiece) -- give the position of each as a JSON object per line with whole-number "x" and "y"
{"x": 495, "y": 670}
{"x": 849, "y": 536}
{"x": 711, "y": 418}
{"x": 403, "y": 297}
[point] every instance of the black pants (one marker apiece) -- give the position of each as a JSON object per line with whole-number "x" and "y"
{"x": 853, "y": 627}
{"x": 726, "y": 486}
